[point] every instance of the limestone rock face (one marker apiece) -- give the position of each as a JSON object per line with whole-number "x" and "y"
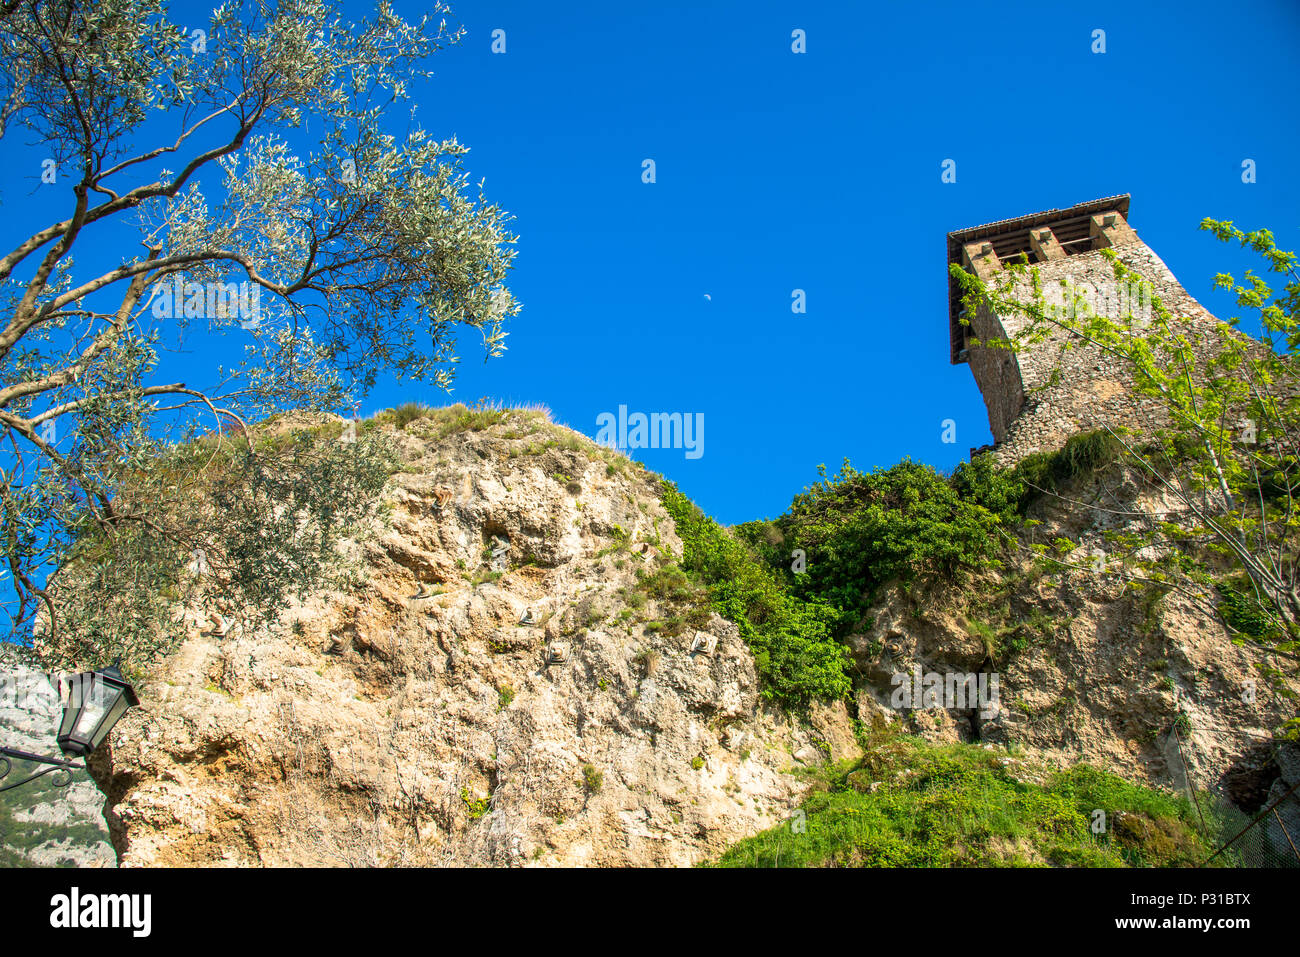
{"x": 1089, "y": 669}
{"x": 530, "y": 710}
{"x": 542, "y": 702}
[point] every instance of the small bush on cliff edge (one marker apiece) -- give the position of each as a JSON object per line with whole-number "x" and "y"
{"x": 1084, "y": 454}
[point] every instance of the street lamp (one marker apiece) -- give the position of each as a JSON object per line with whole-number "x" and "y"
{"x": 93, "y": 701}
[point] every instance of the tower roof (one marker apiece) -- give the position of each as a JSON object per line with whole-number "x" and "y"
{"x": 1010, "y": 237}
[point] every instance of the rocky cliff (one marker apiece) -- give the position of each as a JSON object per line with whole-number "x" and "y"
{"x": 507, "y": 683}
{"x": 518, "y": 674}
{"x": 1093, "y": 666}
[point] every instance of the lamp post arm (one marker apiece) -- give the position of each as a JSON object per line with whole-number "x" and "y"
{"x": 55, "y": 765}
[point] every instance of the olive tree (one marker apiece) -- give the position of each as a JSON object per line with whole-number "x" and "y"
{"x": 259, "y": 175}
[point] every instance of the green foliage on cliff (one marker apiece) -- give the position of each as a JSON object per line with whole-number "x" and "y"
{"x": 1084, "y": 454}
{"x": 255, "y": 520}
{"x": 1244, "y": 613}
{"x": 792, "y": 639}
{"x": 443, "y": 421}
{"x": 859, "y": 530}
{"x": 912, "y": 804}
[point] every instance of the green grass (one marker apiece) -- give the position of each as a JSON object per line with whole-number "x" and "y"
{"x": 445, "y": 421}
{"x": 408, "y": 412}
{"x": 527, "y": 422}
{"x": 957, "y": 805}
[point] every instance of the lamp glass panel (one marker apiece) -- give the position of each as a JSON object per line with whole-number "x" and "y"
{"x": 70, "y": 689}
{"x": 115, "y": 711}
{"x": 97, "y": 696}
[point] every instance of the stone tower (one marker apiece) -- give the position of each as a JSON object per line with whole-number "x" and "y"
{"x": 1027, "y": 413}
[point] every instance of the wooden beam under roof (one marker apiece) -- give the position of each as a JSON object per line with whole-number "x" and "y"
{"x": 1070, "y": 226}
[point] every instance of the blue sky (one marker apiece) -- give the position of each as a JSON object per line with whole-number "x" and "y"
{"x": 819, "y": 171}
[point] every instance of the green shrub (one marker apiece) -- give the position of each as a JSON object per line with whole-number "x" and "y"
{"x": 792, "y": 640}
{"x": 475, "y": 807}
{"x": 1244, "y": 613}
{"x": 860, "y": 530}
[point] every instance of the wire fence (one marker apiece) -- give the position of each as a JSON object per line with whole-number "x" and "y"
{"x": 1266, "y": 837}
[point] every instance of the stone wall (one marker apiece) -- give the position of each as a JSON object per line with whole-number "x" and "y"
{"x": 1028, "y": 411}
